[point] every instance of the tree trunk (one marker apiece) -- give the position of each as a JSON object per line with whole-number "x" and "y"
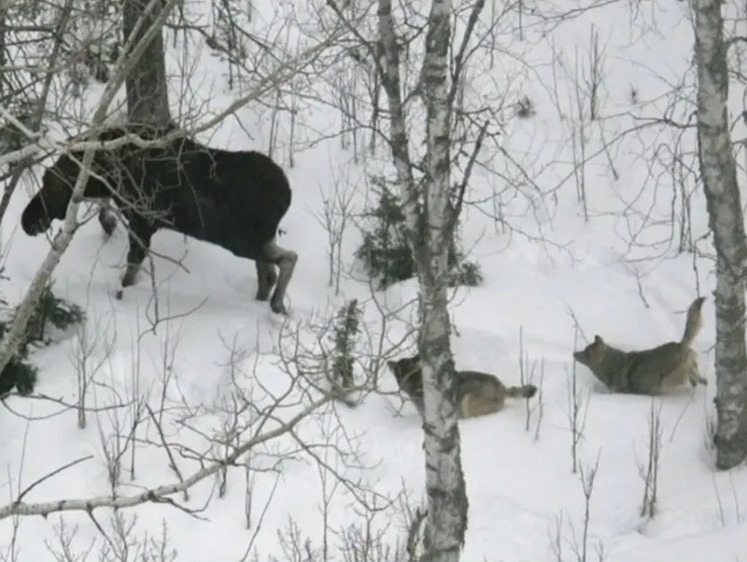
{"x": 718, "y": 171}
{"x": 447, "y": 495}
{"x": 147, "y": 93}
{"x": 428, "y": 227}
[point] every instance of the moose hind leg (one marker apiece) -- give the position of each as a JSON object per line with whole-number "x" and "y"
{"x": 286, "y": 262}
{"x": 267, "y": 276}
{"x": 139, "y": 244}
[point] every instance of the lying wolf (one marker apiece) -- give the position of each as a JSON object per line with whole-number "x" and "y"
{"x": 478, "y": 393}
{"x": 652, "y": 371}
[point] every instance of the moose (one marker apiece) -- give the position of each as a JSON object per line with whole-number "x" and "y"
{"x": 234, "y": 199}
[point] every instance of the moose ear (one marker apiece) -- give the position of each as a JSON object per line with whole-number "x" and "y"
{"x": 392, "y": 365}
{"x": 598, "y": 339}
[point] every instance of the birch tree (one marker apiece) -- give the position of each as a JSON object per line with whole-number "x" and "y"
{"x": 719, "y": 175}
{"x": 430, "y": 218}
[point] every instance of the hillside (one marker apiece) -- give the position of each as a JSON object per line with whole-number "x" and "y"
{"x": 625, "y": 264}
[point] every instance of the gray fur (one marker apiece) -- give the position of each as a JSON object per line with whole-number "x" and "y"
{"x": 651, "y": 371}
{"x": 478, "y": 394}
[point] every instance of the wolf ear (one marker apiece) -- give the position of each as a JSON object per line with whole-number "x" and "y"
{"x": 598, "y": 340}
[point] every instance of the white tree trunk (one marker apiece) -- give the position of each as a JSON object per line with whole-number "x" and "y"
{"x": 718, "y": 171}
{"x": 448, "y": 505}
{"x": 429, "y": 232}
{"x": 398, "y": 140}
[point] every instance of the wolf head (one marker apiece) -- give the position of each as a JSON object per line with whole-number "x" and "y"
{"x": 409, "y": 378}
{"x": 408, "y": 374}
{"x": 593, "y": 355}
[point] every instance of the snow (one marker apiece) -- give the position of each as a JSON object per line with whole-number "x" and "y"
{"x": 619, "y": 275}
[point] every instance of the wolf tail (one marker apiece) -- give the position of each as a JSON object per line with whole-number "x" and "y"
{"x": 694, "y": 321}
{"x": 526, "y": 391}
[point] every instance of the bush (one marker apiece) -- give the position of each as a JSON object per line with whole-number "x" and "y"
{"x": 346, "y": 332}
{"x": 19, "y": 375}
{"x": 465, "y": 273}
{"x": 384, "y": 251}
{"x": 53, "y": 311}
{"x": 525, "y": 108}
{"x": 386, "y": 254}
{"x": 49, "y": 311}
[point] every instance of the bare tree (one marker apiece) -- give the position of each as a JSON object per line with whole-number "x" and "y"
{"x": 430, "y": 218}
{"x": 62, "y": 240}
{"x": 431, "y": 205}
{"x": 719, "y": 175}
{"x": 649, "y": 469}
{"x": 447, "y": 497}
{"x": 20, "y": 93}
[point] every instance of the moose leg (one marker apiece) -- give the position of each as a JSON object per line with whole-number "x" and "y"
{"x": 266, "y": 279}
{"x": 107, "y": 220}
{"x": 139, "y": 244}
{"x": 286, "y": 262}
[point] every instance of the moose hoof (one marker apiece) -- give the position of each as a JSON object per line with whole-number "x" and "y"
{"x": 128, "y": 278}
{"x": 278, "y": 308}
{"x": 119, "y": 294}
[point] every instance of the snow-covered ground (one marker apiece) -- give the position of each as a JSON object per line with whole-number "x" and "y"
{"x": 546, "y": 268}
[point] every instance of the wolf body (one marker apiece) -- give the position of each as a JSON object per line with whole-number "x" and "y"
{"x": 652, "y": 371}
{"x": 478, "y": 394}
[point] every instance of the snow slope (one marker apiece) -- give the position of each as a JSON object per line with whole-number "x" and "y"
{"x": 617, "y": 274}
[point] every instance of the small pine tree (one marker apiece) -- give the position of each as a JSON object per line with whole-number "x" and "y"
{"x": 18, "y": 373}
{"x": 384, "y": 251}
{"x": 386, "y": 254}
{"x": 51, "y": 310}
{"x": 465, "y": 273}
{"x": 346, "y": 332}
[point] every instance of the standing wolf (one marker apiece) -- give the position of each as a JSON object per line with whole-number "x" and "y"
{"x": 478, "y": 393}
{"x": 652, "y": 371}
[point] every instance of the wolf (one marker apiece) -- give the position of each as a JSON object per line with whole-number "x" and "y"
{"x": 652, "y": 371}
{"x": 478, "y": 394}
